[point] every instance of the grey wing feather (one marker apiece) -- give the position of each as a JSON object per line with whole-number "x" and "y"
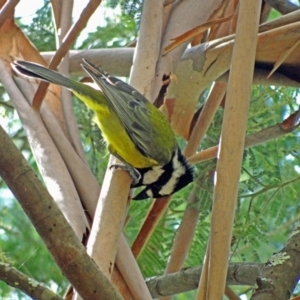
{"x": 129, "y": 105}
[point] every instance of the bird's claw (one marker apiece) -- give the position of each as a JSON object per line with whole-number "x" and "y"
{"x": 135, "y": 174}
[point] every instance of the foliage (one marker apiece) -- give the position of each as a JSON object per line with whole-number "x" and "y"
{"x": 41, "y": 30}
{"x": 116, "y": 33}
{"x": 25, "y": 250}
{"x": 128, "y": 7}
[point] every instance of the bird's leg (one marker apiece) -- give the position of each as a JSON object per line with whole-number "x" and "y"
{"x": 134, "y": 173}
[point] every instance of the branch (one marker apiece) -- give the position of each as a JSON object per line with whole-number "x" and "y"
{"x": 281, "y": 21}
{"x": 7, "y": 105}
{"x": 63, "y": 16}
{"x": 49, "y": 160}
{"x": 115, "y": 61}
{"x": 288, "y": 125}
{"x": 65, "y": 46}
{"x": 185, "y": 233}
{"x": 260, "y": 78}
{"x": 50, "y": 223}
{"x": 27, "y": 285}
{"x": 7, "y": 10}
{"x": 155, "y": 212}
{"x": 279, "y": 276}
{"x": 118, "y": 63}
{"x": 283, "y": 6}
{"x": 147, "y": 51}
{"x": 231, "y": 149}
{"x": 188, "y": 279}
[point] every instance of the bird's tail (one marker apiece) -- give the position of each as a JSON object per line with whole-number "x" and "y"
{"x": 37, "y": 71}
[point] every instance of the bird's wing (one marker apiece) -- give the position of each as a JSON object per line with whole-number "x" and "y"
{"x": 129, "y": 105}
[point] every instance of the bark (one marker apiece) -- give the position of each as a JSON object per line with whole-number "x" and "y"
{"x": 280, "y": 274}
{"x": 187, "y": 279}
{"x": 60, "y": 239}
{"x": 27, "y": 285}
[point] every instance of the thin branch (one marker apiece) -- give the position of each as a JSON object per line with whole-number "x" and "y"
{"x": 283, "y": 6}
{"x": 230, "y": 294}
{"x": 64, "y": 48}
{"x": 63, "y": 17}
{"x": 281, "y": 21}
{"x": 5, "y": 103}
{"x": 185, "y": 233}
{"x": 27, "y": 285}
{"x": 148, "y": 48}
{"x": 288, "y": 125}
{"x": 206, "y": 116}
{"x": 260, "y": 77}
{"x": 270, "y": 187}
{"x": 7, "y": 10}
{"x": 154, "y": 215}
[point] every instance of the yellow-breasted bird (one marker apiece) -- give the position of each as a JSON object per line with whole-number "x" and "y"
{"x": 136, "y": 132}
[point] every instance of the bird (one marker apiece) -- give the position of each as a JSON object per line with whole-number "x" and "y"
{"x": 135, "y": 131}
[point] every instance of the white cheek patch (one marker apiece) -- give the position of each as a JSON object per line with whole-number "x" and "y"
{"x": 152, "y": 175}
{"x": 149, "y": 193}
{"x": 178, "y": 171}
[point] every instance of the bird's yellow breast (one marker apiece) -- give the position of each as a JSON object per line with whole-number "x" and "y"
{"x": 114, "y": 133}
{"x": 118, "y": 140}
